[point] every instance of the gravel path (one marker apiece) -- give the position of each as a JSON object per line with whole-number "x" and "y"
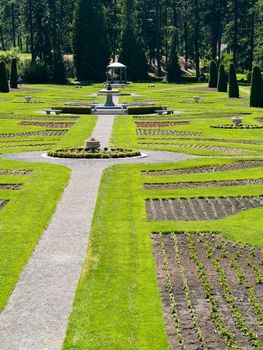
{"x": 244, "y": 90}
{"x": 37, "y": 312}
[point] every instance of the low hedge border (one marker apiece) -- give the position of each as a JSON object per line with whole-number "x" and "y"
{"x": 232, "y": 126}
{"x": 74, "y": 109}
{"x": 143, "y": 109}
{"x": 98, "y": 154}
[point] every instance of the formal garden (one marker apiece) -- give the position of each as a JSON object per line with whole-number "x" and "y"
{"x": 131, "y": 175}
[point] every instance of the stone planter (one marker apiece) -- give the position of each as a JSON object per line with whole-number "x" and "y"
{"x": 197, "y": 99}
{"x": 92, "y": 145}
{"x": 237, "y": 121}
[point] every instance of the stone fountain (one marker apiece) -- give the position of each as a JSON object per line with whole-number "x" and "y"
{"x": 109, "y": 92}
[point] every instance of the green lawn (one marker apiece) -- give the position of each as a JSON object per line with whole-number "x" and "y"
{"x": 117, "y": 304}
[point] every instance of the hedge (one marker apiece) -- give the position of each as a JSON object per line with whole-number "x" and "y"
{"x": 233, "y": 85}
{"x": 222, "y": 79}
{"x": 74, "y": 109}
{"x": 212, "y": 74}
{"x": 256, "y": 94}
{"x": 100, "y": 154}
{"x": 143, "y": 109}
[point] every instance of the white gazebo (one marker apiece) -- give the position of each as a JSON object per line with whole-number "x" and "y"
{"x": 117, "y": 73}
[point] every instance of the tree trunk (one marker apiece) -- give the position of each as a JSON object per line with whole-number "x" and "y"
{"x": 235, "y": 32}
{"x": 13, "y": 24}
{"x": 197, "y": 39}
{"x": 32, "y": 44}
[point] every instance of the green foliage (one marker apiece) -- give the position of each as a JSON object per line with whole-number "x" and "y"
{"x": 256, "y": 95}
{"x": 74, "y": 109}
{"x": 222, "y": 79}
{"x": 90, "y": 42}
{"x": 212, "y": 74}
{"x": 233, "y": 85}
{"x": 59, "y": 69}
{"x": 132, "y": 52}
{"x": 173, "y": 67}
{"x": 143, "y": 109}
{"x": 35, "y": 72}
{"x": 3, "y": 78}
{"x": 13, "y": 77}
{"x": 81, "y": 153}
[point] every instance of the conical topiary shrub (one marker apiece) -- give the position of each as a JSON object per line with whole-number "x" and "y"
{"x": 233, "y": 85}
{"x": 13, "y": 78}
{"x": 222, "y": 80}
{"x": 256, "y": 94}
{"x": 3, "y": 78}
{"x": 213, "y": 74}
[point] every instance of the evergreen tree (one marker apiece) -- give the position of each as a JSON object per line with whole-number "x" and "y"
{"x": 256, "y": 94}
{"x": 3, "y": 78}
{"x": 213, "y": 74}
{"x": 173, "y": 67}
{"x": 90, "y": 42}
{"x": 58, "y": 69}
{"x": 233, "y": 85}
{"x": 132, "y": 52}
{"x": 13, "y": 77}
{"x": 222, "y": 79}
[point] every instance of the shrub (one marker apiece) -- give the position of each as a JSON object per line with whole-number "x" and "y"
{"x": 13, "y": 77}
{"x": 213, "y": 74}
{"x": 35, "y": 72}
{"x": 256, "y": 95}
{"x": 143, "y": 109}
{"x": 3, "y": 78}
{"x": 74, "y": 109}
{"x": 233, "y": 85}
{"x": 222, "y": 79}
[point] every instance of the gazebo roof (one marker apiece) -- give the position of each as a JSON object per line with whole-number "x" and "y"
{"x": 116, "y": 65}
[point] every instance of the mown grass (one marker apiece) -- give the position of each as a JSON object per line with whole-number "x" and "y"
{"x": 24, "y": 218}
{"x": 117, "y": 305}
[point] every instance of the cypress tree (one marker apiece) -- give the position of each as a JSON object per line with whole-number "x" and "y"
{"x": 173, "y": 67}
{"x": 213, "y": 74}
{"x": 233, "y": 85}
{"x": 59, "y": 69}
{"x": 90, "y": 41}
{"x": 13, "y": 77}
{"x": 222, "y": 79}
{"x": 256, "y": 94}
{"x": 132, "y": 52}
{"x": 3, "y": 78}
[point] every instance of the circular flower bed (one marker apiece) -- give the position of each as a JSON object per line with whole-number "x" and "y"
{"x": 101, "y": 153}
{"x": 240, "y": 126}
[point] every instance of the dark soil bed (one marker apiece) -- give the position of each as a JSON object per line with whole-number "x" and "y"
{"x": 176, "y": 185}
{"x": 3, "y": 203}
{"x": 199, "y": 208}
{"x": 241, "y": 164}
{"x": 198, "y": 146}
{"x": 56, "y": 125}
{"x": 197, "y": 310}
{"x": 11, "y": 187}
{"x": 15, "y": 172}
{"x": 35, "y": 133}
{"x": 160, "y": 124}
{"x": 152, "y": 132}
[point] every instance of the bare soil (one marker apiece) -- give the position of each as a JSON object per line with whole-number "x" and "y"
{"x": 199, "y": 208}
{"x": 11, "y": 187}
{"x": 170, "y": 132}
{"x": 174, "y": 265}
{"x": 241, "y": 164}
{"x": 176, "y": 185}
{"x": 56, "y": 125}
{"x": 152, "y": 132}
{"x": 35, "y": 133}
{"x": 160, "y": 124}
{"x": 15, "y": 172}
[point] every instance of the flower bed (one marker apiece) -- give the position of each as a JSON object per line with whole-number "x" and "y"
{"x": 240, "y": 126}
{"x": 104, "y": 153}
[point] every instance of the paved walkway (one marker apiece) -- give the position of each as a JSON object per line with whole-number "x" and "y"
{"x": 244, "y": 90}
{"x": 37, "y": 312}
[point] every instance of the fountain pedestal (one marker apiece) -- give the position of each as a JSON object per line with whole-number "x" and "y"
{"x": 109, "y": 101}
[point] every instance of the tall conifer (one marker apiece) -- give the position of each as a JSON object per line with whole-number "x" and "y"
{"x": 3, "y": 78}
{"x": 212, "y": 74}
{"x": 13, "y": 77}
{"x": 233, "y": 85}
{"x": 222, "y": 79}
{"x": 173, "y": 67}
{"x": 256, "y": 94}
{"x": 90, "y": 42}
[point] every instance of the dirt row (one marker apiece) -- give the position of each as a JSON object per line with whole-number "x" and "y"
{"x": 11, "y": 187}
{"x": 199, "y": 208}
{"x": 152, "y": 132}
{"x": 3, "y": 203}
{"x": 187, "y": 295}
{"x": 198, "y": 146}
{"x": 221, "y": 183}
{"x": 160, "y": 124}
{"x": 15, "y": 172}
{"x": 35, "y": 133}
{"x": 56, "y": 125}
{"x": 245, "y": 142}
{"x": 241, "y": 164}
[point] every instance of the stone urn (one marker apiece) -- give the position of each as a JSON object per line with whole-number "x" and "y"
{"x": 197, "y": 99}
{"x": 237, "y": 121}
{"x": 92, "y": 144}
